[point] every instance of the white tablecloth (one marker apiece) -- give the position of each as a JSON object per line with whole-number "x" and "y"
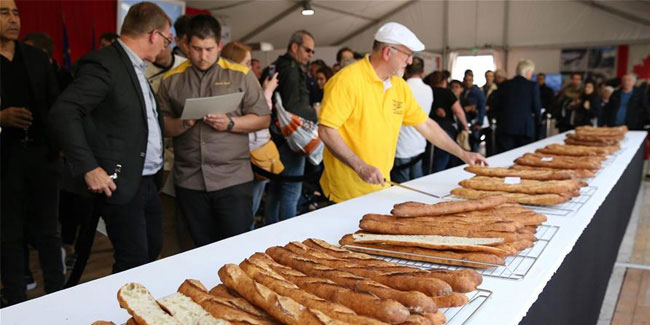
{"x": 96, "y": 300}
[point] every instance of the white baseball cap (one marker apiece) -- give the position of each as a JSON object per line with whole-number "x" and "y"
{"x": 394, "y": 33}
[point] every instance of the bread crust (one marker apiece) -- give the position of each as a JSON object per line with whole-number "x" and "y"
{"x": 561, "y": 162}
{"x": 415, "y": 209}
{"x": 533, "y": 199}
{"x": 582, "y": 173}
{"x": 541, "y": 175}
{"x": 524, "y": 186}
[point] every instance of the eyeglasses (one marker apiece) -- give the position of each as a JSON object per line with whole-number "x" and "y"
{"x": 167, "y": 39}
{"x": 408, "y": 55}
{"x": 308, "y": 50}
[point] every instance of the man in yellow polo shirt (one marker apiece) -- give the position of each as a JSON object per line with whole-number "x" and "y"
{"x": 363, "y": 109}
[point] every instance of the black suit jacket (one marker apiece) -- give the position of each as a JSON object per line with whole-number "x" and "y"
{"x": 101, "y": 120}
{"x": 517, "y": 107}
{"x": 638, "y": 109}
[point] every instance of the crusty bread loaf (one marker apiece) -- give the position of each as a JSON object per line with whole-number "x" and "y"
{"x": 416, "y": 209}
{"x": 582, "y": 173}
{"x": 608, "y": 143}
{"x": 413, "y": 300}
{"x": 533, "y": 199}
{"x": 541, "y": 175}
{"x": 465, "y": 280}
{"x": 575, "y": 150}
{"x": 137, "y": 300}
{"x": 467, "y": 223}
{"x": 186, "y": 311}
{"x": 280, "y": 307}
{"x": 527, "y": 186}
{"x": 451, "y": 300}
{"x": 562, "y": 162}
{"x": 434, "y": 242}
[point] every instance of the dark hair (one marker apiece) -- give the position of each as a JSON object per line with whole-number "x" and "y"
{"x": 488, "y": 71}
{"x": 182, "y": 26}
{"x": 436, "y": 78}
{"x": 591, "y": 81}
{"x": 40, "y": 40}
{"x": 358, "y": 56}
{"x": 576, "y": 74}
{"x": 469, "y": 72}
{"x": 446, "y": 74}
{"x": 327, "y": 71}
{"x": 541, "y": 74}
{"x": 416, "y": 67}
{"x": 319, "y": 63}
{"x": 255, "y": 60}
{"x": 144, "y": 17}
{"x": 377, "y": 45}
{"x": 339, "y": 54}
{"x": 203, "y": 27}
{"x": 110, "y": 37}
{"x": 298, "y": 37}
{"x": 455, "y": 82}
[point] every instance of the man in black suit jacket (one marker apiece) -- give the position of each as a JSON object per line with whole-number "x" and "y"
{"x": 628, "y": 105}
{"x": 108, "y": 122}
{"x": 30, "y": 163}
{"x": 517, "y": 108}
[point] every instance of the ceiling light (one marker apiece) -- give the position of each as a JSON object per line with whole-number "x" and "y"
{"x": 307, "y": 10}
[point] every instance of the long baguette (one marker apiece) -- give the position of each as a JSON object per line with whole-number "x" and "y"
{"x": 451, "y": 300}
{"x": 363, "y": 303}
{"x": 534, "y": 199}
{"x": 524, "y": 186}
{"x": 437, "y": 242}
{"x": 409, "y": 228}
{"x": 541, "y": 175}
{"x": 280, "y": 307}
{"x": 404, "y": 282}
{"x": 221, "y": 291}
{"x": 464, "y": 280}
{"x": 231, "y": 310}
{"x": 562, "y": 162}
{"x": 137, "y": 300}
{"x": 186, "y": 311}
{"x": 574, "y": 150}
{"x": 416, "y": 209}
{"x": 427, "y": 255}
{"x": 467, "y": 223}
{"x": 263, "y": 274}
{"x": 415, "y": 301}
{"x": 582, "y": 172}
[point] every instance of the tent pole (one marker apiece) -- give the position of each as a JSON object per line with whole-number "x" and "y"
{"x": 506, "y": 23}
{"x": 445, "y": 35}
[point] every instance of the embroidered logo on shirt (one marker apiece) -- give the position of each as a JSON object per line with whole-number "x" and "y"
{"x": 398, "y": 107}
{"x": 222, "y": 83}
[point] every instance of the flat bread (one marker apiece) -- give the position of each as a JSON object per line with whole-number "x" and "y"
{"x": 434, "y": 242}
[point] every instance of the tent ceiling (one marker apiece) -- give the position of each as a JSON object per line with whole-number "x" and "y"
{"x": 470, "y": 23}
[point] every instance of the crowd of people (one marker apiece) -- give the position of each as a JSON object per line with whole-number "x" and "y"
{"x": 100, "y": 141}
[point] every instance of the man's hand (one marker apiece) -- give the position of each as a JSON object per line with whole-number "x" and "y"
{"x": 17, "y": 117}
{"x": 440, "y": 112}
{"x": 473, "y": 158}
{"x": 99, "y": 182}
{"x": 218, "y": 122}
{"x": 370, "y": 174}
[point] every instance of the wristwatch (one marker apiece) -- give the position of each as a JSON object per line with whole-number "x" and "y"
{"x": 231, "y": 124}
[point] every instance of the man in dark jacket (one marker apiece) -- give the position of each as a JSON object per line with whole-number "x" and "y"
{"x": 30, "y": 163}
{"x": 108, "y": 122}
{"x": 517, "y": 109}
{"x": 292, "y": 86}
{"x": 627, "y": 106}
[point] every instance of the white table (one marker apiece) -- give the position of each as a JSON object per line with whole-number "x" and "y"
{"x": 96, "y": 300}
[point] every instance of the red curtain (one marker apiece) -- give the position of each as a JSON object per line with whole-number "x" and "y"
{"x": 80, "y": 16}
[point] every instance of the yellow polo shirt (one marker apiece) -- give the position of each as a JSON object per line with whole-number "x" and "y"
{"x": 368, "y": 113}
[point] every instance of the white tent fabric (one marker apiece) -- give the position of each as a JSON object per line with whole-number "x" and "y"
{"x": 440, "y": 24}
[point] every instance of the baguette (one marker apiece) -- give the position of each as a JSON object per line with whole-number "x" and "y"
{"x": 234, "y": 311}
{"x": 582, "y": 173}
{"x": 263, "y": 274}
{"x": 415, "y": 209}
{"x": 280, "y": 307}
{"x": 363, "y": 303}
{"x": 526, "y": 186}
{"x": 433, "y": 242}
{"x": 467, "y": 223}
{"x": 410, "y": 228}
{"x": 186, "y": 311}
{"x": 137, "y": 300}
{"x": 427, "y": 255}
{"x": 605, "y": 143}
{"x": 464, "y": 280}
{"x": 533, "y": 199}
{"x": 573, "y": 150}
{"x": 451, "y": 300}
{"x": 541, "y": 175}
{"x": 562, "y": 162}
{"x": 415, "y": 301}
{"x": 398, "y": 281}
{"x": 425, "y": 319}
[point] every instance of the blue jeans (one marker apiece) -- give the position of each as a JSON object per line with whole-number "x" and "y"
{"x": 283, "y": 196}
{"x": 258, "y": 190}
{"x": 442, "y": 159}
{"x": 406, "y": 174}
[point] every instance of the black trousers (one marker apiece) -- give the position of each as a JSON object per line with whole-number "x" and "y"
{"x": 213, "y": 216}
{"x": 29, "y": 199}
{"x": 507, "y": 142}
{"x": 135, "y": 228}
{"x": 73, "y": 210}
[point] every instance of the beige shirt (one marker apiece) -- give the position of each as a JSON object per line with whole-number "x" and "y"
{"x": 206, "y": 159}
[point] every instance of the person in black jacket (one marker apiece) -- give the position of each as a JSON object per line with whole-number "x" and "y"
{"x": 588, "y": 106}
{"x": 108, "y": 122}
{"x": 30, "y": 163}
{"x": 292, "y": 87}
{"x": 628, "y": 105}
{"x": 517, "y": 109}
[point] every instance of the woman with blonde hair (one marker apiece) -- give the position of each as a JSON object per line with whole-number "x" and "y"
{"x": 259, "y": 142}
